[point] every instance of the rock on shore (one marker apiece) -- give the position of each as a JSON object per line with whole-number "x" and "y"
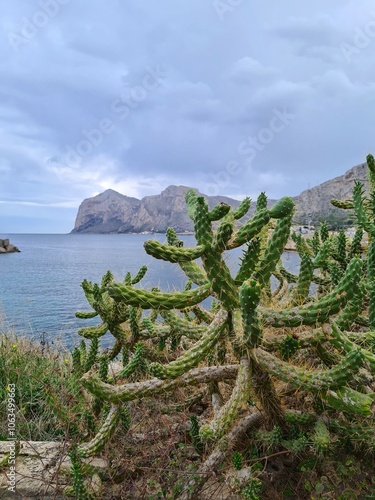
{"x": 6, "y": 247}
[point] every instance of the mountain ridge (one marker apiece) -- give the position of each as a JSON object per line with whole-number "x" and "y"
{"x": 113, "y": 212}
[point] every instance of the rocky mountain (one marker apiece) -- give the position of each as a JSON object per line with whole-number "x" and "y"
{"x": 112, "y": 212}
{"x": 315, "y": 204}
{"x": 108, "y": 212}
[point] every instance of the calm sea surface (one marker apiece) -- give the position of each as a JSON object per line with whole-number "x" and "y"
{"x": 40, "y": 287}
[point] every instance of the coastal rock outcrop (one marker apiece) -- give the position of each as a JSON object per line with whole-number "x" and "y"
{"x": 6, "y": 247}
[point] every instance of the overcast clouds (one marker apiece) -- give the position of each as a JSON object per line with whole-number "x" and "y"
{"x": 232, "y": 97}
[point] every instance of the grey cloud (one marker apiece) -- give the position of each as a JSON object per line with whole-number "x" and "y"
{"x": 248, "y": 70}
{"x": 222, "y": 81}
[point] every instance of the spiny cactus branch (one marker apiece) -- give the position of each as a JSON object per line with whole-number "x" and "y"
{"x": 159, "y": 300}
{"x": 152, "y": 387}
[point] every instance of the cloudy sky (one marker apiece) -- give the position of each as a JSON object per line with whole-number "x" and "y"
{"x": 229, "y": 96}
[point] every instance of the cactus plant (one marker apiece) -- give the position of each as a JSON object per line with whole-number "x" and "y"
{"x": 182, "y": 343}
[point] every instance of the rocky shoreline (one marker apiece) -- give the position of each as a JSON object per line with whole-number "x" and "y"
{"x": 6, "y": 247}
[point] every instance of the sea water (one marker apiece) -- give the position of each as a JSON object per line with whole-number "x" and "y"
{"x": 40, "y": 288}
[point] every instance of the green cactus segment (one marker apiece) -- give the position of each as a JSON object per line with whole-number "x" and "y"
{"x": 86, "y": 314}
{"x": 228, "y": 413}
{"x": 371, "y": 281}
{"x": 77, "y": 363}
{"x": 364, "y": 339}
{"x": 183, "y": 326}
{"x": 242, "y": 208}
{"x": 82, "y": 350}
{"x": 344, "y": 204}
{"x": 319, "y": 311}
{"x": 349, "y": 400}
{"x": 92, "y": 354}
{"x": 355, "y": 247}
{"x": 249, "y": 299}
{"x": 154, "y": 330}
{"x": 324, "y": 234}
{"x": 315, "y": 242}
{"x": 341, "y": 341}
{"x": 322, "y": 256}
{"x": 261, "y": 201}
{"x": 202, "y": 223}
{"x": 312, "y": 380}
{"x": 103, "y": 368}
{"x": 295, "y": 417}
{"x": 87, "y": 287}
{"x": 360, "y": 212}
{"x": 220, "y": 278}
{"x": 351, "y": 311}
{"x": 302, "y": 289}
{"x": 355, "y": 432}
{"x": 172, "y": 238}
{"x": 91, "y": 332}
{"x": 79, "y": 488}
{"x": 191, "y": 199}
{"x": 336, "y": 272}
{"x": 320, "y": 438}
{"x": 139, "y": 390}
{"x": 194, "y": 272}
{"x": 140, "y": 274}
{"x": 125, "y": 419}
{"x": 104, "y": 435}
{"x": 106, "y": 279}
{"x": 302, "y": 245}
{"x": 171, "y": 253}
{"x": 341, "y": 248}
{"x": 134, "y": 363}
{"x": 371, "y": 171}
{"x": 202, "y": 315}
{"x": 218, "y": 212}
{"x": 290, "y": 277}
{"x": 133, "y": 322}
{"x": 274, "y": 250}
{"x": 194, "y": 355}
{"x": 158, "y": 300}
{"x": 223, "y": 235}
{"x": 249, "y": 261}
{"x": 282, "y": 208}
{"x": 288, "y": 347}
{"x": 250, "y": 229}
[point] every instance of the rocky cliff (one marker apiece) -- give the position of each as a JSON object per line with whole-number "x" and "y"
{"x": 108, "y": 212}
{"x": 112, "y": 212}
{"x": 315, "y": 204}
